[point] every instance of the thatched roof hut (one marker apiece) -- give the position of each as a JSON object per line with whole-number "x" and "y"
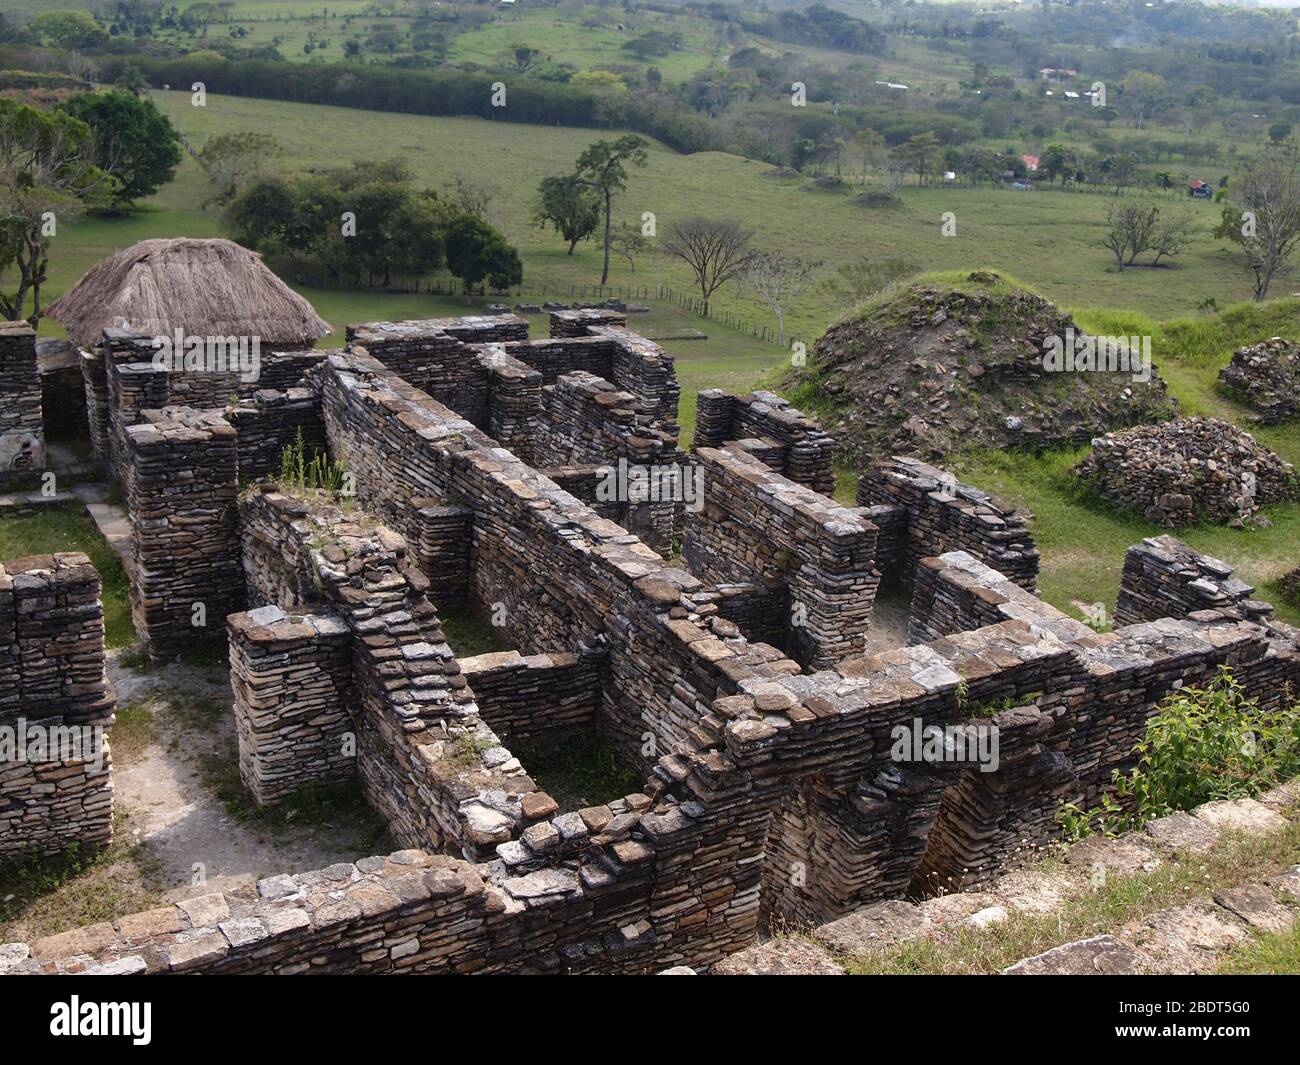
{"x": 204, "y": 287}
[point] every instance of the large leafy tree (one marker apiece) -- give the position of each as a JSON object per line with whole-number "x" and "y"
{"x": 476, "y": 252}
{"x": 48, "y": 178}
{"x": 1264, "y": 217}
{"x": 570, "y": 208}
{"x": 134, "y": 141}
{"x": 602, "y": 168}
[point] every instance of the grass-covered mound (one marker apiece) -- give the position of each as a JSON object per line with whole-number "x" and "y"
{"x": 957, "y": 360}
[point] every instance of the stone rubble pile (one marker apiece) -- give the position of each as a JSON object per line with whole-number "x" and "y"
{"x": 1266, "y": 377}
{"x": 1187, "y": 470}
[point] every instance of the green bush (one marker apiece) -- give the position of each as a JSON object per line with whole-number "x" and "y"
{"x": 1210, "y": 743}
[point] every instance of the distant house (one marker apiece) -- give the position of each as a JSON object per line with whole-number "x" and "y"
{"x": 1200, "y": 190}
{"x": 1057, "y": 73}
{"x": 1030, "y": 161}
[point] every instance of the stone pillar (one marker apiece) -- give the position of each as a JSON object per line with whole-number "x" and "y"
{"x": 55, "y": 784}
{"x": 182, "y": 492}
{"x": 22, "y": 432}
{"x": 291, "y": 676}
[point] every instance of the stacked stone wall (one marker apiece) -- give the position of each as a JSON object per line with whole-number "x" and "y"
{"x": 944, "y": 515}
{"x": 270, "y": 421}
{"x": 1164, "y": 578}
{"x": 757, "y": 527}
{"x": 526, "y": 696}
{"x": 291, "y": 675}
{"x": 22, "y": 431}
{"x": 55, "y": 705}
{"x": 182, "y": 484}
{"x": 802, "y": 452}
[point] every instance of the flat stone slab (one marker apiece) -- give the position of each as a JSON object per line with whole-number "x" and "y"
{"x": 1097, "y": 956}
{"x": 1288, "y": 883}
{"x": 1124, "y": 856}
{"x": 1022, "y": 892}
{"x": 1255, "y": 904}
{"x": 1283, "y": 796}
{"x": 1241, "y": 815}
{"x": 1182, "y": 833}
{"x": 948, "y": 910}
{"x": 780, "y": 957}
{"x": 874, "y": 927}
{"x": 1186, "y": 939}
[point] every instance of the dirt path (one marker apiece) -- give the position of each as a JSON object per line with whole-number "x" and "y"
{"x": 173, "y": 771}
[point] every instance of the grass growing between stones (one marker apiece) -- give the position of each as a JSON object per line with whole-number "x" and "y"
{"x": 1268, "y": 954}
{"x": 42, "y": 896}
{"x": 468, "y": 634}
{"x": 310, "y": 805}
{"x": 68, "y": 528}
{"x": 1235, "y": 860}
{"x": 576, "y": 766}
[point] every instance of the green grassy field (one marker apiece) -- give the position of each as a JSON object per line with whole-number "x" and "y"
{"x": 1050, "y": 239}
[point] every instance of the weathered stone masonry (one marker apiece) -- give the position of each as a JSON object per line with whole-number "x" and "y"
{"x": 51, "y": 678}
{"x": 942, "y": 515}
{"x": 22, "y": 432}
{"x": 789, "y": 442}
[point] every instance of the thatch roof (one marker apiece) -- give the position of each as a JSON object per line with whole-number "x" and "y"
{"x": 204, "y": 287}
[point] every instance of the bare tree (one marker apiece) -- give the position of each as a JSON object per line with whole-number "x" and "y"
{"x": 1129, "y": 230}
{"x": 1268, "y": 208}
{"x": 1172, "y": 234}
{"x": 714, "y": 250}
{"x": 777, "y": 279}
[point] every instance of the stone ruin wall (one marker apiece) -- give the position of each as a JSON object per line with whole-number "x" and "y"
{"x": 790, "y": 443}
{"x": 943, "y": 515}
{"x": 425, "y": 758}
{"x": 182, "y": 488}
{"x": 22, "y": 431}
{"x": 52, "y": 677}
{"x": 811, "y": 559}
{"x": 770, "y": 766}
{"x": 122, "y": 384}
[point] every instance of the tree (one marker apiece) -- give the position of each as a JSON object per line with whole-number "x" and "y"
{"x": 1265, "y": 221}
{"x": 1173, "y": 232}
{"x": 921, "y": 153}
{"x": 1055, "y": 162}
{"x": 602, "y": 168}
{"x": 1129, "y": 230}
{"x": 525, "y": 58}
{"x": 777, "y": 279}
{"x": 476, "y": 252}
{"x": 134, "y": 141}
{"x": 714, "y": 250}
{"x": 629, "y": 242}
{"x": 68, "y": 29}
{"x": 231, "y": 160}
{"x": 570, "y": 208}
{"x": 48, "y": 178}
{"x": 1146, "y": 93}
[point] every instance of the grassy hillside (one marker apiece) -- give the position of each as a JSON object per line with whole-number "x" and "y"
{"x": 1050, "y": 238}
